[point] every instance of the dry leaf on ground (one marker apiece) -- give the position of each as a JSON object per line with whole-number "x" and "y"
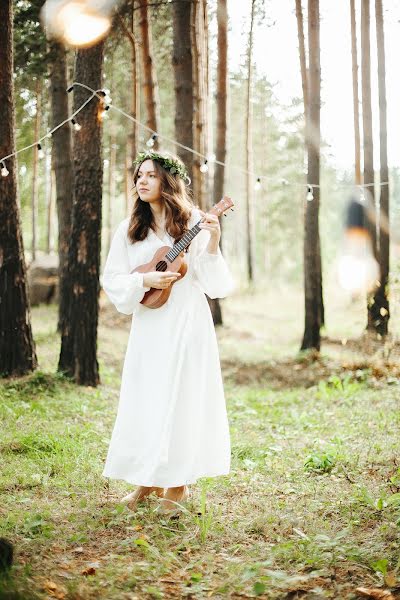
{"x": 375, "y": 593}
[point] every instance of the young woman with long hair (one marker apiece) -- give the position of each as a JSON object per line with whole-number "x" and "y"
{"x": 171, "y": 426}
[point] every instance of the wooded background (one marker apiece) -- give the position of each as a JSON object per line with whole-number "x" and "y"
{"x": 165, "y": 65}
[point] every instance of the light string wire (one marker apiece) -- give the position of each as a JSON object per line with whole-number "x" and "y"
{"x": 100, "y": 94}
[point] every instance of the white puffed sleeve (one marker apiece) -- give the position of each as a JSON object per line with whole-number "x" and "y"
{"x": 124, "y": 289}
{"x": 211, "y": 270}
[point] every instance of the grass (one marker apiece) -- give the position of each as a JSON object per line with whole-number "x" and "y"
{"x": 311, "y": 508}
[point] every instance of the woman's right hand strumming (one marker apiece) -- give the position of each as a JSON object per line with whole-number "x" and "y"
{"x": 159, "y": 279}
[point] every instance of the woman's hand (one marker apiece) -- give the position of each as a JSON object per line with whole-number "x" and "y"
{"x": 159, "y": 279}
{"x": 211, "y": 223}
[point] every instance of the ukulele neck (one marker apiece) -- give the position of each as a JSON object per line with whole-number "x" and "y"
{"x": 183, "y": 243}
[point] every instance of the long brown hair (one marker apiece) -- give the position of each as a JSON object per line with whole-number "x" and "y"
{"x": 178, "y": 206}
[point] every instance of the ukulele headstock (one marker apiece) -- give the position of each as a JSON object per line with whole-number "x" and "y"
{"x": 222, "y": 206}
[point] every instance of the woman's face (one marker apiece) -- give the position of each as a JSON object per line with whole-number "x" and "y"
{"x": 148, "y": 184}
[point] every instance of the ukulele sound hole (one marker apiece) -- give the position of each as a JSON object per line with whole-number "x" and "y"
{"x": 161, "y": 266}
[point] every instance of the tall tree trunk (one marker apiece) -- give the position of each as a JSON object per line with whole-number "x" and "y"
{"x": 356, "y": 112}
{"x": 111, "y": 185}
{"x": 182, "y": 61}
{"x": 381, "y": 298}
{"x": 373, "y": 309}
{"x": 78, "y": 357}
{"x": 149, "y": 82}
{"x": 221, "y": 100}
{"x": 312, "y": 261}
{"x": 308, "y": 131}
{"x": 63, "y": 168}
{"x": 35, "y": 178}
{"x": 17, "y": 348}
{"x": 249, "y": 153}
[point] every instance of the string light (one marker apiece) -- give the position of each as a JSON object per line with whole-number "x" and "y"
{"x": 212, "y": 158}
{"x": 4, "y": 171}
{"x": 310, "y": 193}
{"x": 103, "y": 95}
{"x": 204, "y": 167}
{"x": 76, "y": 125}
{"x": 151, "y": 141}
{"x": 257, "y": 186}
{"x": 40, "y": 151}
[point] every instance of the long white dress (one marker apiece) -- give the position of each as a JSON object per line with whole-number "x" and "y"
{"x": 171, "y": 427}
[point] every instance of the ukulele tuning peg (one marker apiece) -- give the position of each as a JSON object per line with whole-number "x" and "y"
{"x": 225, "y": 214}
{"x": 232, "y": 209}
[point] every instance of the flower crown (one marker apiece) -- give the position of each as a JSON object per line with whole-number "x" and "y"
{"x": 175, "y": 167}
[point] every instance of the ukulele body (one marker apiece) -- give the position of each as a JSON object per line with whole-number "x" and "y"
{"x": 155, "y": 298}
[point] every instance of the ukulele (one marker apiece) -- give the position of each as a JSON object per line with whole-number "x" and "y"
{"x": 171, "y": 259}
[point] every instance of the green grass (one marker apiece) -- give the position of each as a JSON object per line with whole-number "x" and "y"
{"x": 312, "y": 502}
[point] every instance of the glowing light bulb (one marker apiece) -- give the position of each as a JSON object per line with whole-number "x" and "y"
{"x": 76, "y": 125}
{"x": 77, "y": 23}
{"x": 257, "y": 186}
{"x": 40, "y": 151}
{"x": 204, "y": 167}
{"x": 357, "y": 269}
{"x": 310, "y": 194}
{"x": 151, "y": 141}
{"x": 4, "y": 171}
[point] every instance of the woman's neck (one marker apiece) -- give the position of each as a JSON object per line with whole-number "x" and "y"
{"x": 158, "y": 210}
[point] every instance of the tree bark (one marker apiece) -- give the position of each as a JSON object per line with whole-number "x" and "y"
{"x": 149, "y": 82}
{"x": 356, "y": 111}
{"x": 17, "y": 348}
{"x": 182, "y": 61}
{"x": 381, "y": 298}
{"x": 78, "y": 357}
{"x": 35, "y": 168}
{"x": 249, "y": 153}
{"x": 63, "y": 168}
{"x": 312, "y": 260}
{"x": 369, "y": 177}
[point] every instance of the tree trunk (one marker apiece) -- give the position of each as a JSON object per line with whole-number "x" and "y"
{"x": 356, "y": 112}
{"x": 369, "y": 179}
{"x": 312, "y": 260}
{"x": 249, "y": 154}
{"x": 35, "y": 168}
{"x": 78, "y": 357}
{"x": 63, "y": 168}
{"x": 149, "y": 82}
{"x": 17, "y": 348}
{"x": 381, "y": 299}
{"x": 182, "y": 61}
{"x": 111, "y": 185}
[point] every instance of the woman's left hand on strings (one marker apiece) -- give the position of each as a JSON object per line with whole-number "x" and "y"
{"x": 211, "y": 223}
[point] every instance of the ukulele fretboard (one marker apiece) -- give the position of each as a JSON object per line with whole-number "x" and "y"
{"x": 183, "y": 243}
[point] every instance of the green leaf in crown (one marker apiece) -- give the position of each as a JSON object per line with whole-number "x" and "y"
{"x": 169, "y": 163}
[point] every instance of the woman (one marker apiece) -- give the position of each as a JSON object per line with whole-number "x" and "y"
{"x": 171, "y": 427}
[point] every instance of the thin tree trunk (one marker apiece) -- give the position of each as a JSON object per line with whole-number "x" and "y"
{"x": 149, "y": 82}
{"x": 373, "y": 309}
{"x": 312, "y": 261}
{"x": 63, "y": 168}
{"x": 111, "y": 186}
{"x": 249, "y": 153}
{"x": 78, "y": 357}
{"x": 17, "y": 348}
{"x": 182, "y": 61}
{"x": 356, "y": 111}
{"x": 35, "y": 168}
{"x": 382, "y": 294}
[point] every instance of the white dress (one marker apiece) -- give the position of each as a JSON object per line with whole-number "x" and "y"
{"x": 171, "y": 427}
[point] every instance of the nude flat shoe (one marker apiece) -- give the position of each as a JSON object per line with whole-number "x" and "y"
{"x": 137, "y": 496}
{"x": 173, "y": 507}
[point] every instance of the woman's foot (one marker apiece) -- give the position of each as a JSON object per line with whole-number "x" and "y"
{"x": 174, "y": 497}
{"x": 140, "y": 494}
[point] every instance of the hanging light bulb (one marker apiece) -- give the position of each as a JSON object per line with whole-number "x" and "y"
{"x": 204, "y": 167}
{"x": 40, "y": 151}
{"x": 310, "y": 194}
{"x": 257, "y": 186}
{"x": 151, "y": 141}
{"x": 4, "y": 171}
{"x": 107, "y": 97}
{"x": 77, "y": 23}
{"x": 357, "y": 269}
{"x": 76, "y": 125}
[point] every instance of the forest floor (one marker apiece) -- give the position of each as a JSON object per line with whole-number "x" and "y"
{"x": 311, "y": 508}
